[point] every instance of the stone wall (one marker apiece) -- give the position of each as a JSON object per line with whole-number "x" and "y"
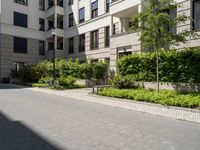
{"x": 8, "y": 57}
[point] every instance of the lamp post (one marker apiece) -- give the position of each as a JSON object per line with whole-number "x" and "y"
{"x": 54, "y": 52}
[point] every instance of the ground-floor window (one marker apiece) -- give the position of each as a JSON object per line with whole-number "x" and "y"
{"x": 17, "y": 66}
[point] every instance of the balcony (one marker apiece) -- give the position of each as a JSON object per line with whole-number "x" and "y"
{"x": 119, "y": 7}
{"x": 127, "y": 39}
{"x": 54, "y": 10}
{"x": 59, "y": 33}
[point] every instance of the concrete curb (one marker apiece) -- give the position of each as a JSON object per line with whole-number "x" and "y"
{"x": 156, "y": 109}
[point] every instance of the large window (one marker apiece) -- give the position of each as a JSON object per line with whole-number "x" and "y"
{"x": 71, "y": 45}
{"x": 81, "y": 15}
{"x": 82, "y": 43}
{"x": 22, "y": 2}
{"x": 41, "y": 47}
{"x": 71, "y": 20}
{"x": 94, "y": 9}
{"x": 41, "y": 24}
{"x": 196, "y": 14}
{"x": 107, "y": 36}
{"x": 42, "y": 4}
{"x": 20, "y": 20}
{"x": 20, "y": 45}
{"x": 95, "y": 40}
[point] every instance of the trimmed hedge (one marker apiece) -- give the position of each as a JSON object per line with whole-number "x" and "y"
{"x": 174, "y": 66}
{"x": 42, "y": 72}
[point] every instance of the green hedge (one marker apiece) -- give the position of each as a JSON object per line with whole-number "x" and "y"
{"x": 182, "y": 66}
{"x": 42, "y": 72}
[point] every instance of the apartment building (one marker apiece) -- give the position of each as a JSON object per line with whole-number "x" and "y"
{"x": 85, "y": 29}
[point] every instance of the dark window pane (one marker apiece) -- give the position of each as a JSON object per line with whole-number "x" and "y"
{"x": 107, "y": 36}
{"x": 196, "y": 14}
{"x": 82, "y": 43}
{"x": 20, "y": 19}
{"x": 41, "y": 24}
{"x": 20, "y": 45}
{"x": 94, "y": 40}
{"x": 81, "y": 15}
{"x": 41, "y": 47}
{"x": 71, "y": 20}
{"x": 42, "y": 4}
{"x": 71, "y": 45}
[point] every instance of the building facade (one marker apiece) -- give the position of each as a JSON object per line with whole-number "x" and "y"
{"x": 85, "y": 29}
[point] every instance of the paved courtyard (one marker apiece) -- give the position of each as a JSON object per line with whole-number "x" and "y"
{"x": 30, "y": 120}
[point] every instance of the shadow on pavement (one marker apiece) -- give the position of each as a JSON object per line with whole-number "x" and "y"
{"x": 16, "y": 136}
{"x": 12, "y": 86}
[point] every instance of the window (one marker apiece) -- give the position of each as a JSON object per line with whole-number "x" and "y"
{"x": 71, "y": 45}
{"x": 173, "y": 15}
{"x": 41, "y": 24}
{"x": 94, "y": 40}
{"x": 20, "y": 19}
{"x": 107, "y": 6}
{"x": 41, "y": 47}
{"x": 71, "y": 20}
{"x": 20, "y": 45}
{"x": 22, "y": 2}
{"x": 82, "y": 43}
{"x": 70, "y": 2}
{"x": 94, "y": 9}
{"x": 50, "y": 3}
{"x": 196, "y": 14}
{"x": 114, "y": 29}
{"x": 42, "y": 4}
{"x": 81, "y": 15}
{"x": 50, "y": 46}
{"x": 18, "y": 66}
{"x": 107, "y": 36}
{"x": 51, "y": 24}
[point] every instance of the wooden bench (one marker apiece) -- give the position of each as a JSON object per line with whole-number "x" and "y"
{"x": 98, "y": 87}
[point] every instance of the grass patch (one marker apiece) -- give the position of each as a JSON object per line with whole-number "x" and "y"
{"x": 59, "y": 87}
{"x": 40, "y": 85}
{"x": 165, "y": 97}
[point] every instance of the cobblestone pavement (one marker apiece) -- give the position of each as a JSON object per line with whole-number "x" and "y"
{"x": 30, "y": 120}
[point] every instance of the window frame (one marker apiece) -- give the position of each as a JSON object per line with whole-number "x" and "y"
{"x": 94, "y": 41}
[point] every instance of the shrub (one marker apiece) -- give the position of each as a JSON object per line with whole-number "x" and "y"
{"x": 45, "y": 80}
{"x": 182, "y": 66}
{"x": 67, "y": 82}
{"x": 28, "y": 74}
{"x": 99, "y": 70}
{"x": 123, "y": 82}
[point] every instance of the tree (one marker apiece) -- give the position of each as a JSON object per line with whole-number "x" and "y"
{"x": 156, "y": 27}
